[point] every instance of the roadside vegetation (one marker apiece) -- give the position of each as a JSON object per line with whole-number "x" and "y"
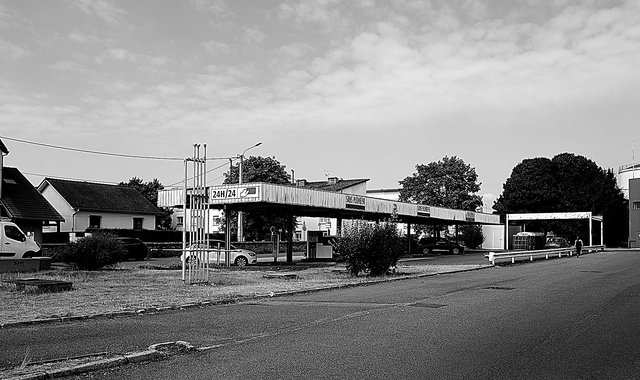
{"x": 93, "y": 252}
{"x": 370, "y": 248}
{"x": 134, "y": 289}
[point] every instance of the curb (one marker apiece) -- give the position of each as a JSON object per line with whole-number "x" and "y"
{"x": 154, "y": 352}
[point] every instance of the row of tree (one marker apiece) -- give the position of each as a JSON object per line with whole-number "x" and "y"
{"x": 565, "y": 183}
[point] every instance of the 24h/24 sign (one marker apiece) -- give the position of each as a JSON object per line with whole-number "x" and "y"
{"x": 234, "y": 193}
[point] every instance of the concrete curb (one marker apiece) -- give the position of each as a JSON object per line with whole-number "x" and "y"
{"x": 154, "y": 352}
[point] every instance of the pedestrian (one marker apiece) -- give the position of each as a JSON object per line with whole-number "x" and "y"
{"x": 578, "y": 245}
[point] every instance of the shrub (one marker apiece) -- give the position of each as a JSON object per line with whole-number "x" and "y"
{"x": 370, "y": 247}
{"x": 472, "y": 236}
{"x": 94, "y": 252}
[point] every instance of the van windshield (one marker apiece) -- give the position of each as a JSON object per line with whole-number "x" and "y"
{"x": 13, "y": 232}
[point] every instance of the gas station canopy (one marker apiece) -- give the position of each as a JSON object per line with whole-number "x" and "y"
{"x": 300, "y": 201}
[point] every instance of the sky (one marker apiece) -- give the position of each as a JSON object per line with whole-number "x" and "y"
{"x": 348, "y": 89}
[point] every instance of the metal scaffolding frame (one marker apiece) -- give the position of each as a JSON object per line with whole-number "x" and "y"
{"x": 195, "y": 233}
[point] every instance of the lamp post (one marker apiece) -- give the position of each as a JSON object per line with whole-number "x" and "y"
{"x": 240, "y": 213}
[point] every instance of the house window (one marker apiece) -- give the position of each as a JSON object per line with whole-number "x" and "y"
{"x": 137, "y": 223}
{"x": 180, "y": 220}
{"x": 636, "y": 205}
{"x": 95, "y": 221}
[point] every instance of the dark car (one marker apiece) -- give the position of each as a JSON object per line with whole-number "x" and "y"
{"x": 135, "y": 249}
{"x": 557, "y": 242}
{"x": 431, "y": 244}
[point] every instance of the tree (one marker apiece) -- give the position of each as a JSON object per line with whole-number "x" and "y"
{"x": 259, "y": 169}
{"x": 566, "y": 183}
{"x": 447, "y": 183}
{"x": 150, "y": 191}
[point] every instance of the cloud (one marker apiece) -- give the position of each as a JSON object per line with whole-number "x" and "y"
{"x": 253, "y": 36}
{"x": 102, "y": 9}
{"x": 87, "y": 39}
{"x": 5, "y": 17}
{"x": 399, "y": 73}
{"x": 124, "y": 55}
{"x": 216, "y": 47}
{"x": 321, "y": 12}
{"x": 218, "y": 7}
{"x": 12, "y": 51}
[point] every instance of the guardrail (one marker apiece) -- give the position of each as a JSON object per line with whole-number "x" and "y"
{"x": 513, "y": 256}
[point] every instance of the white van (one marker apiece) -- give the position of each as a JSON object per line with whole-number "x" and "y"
{"x": 14, "y": 244}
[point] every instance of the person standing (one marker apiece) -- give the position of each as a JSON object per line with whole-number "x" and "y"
{"x": 578, "y": 245}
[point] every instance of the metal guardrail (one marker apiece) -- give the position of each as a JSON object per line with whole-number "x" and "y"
{"x": 513, "y": 256}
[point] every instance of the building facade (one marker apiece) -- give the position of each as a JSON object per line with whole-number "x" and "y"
{"x": 86, "y": 205}
{"x": 626, "y": 173}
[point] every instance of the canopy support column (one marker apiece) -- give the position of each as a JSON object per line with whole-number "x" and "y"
{"x": 290, "y": 227}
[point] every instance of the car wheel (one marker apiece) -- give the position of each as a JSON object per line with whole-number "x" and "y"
{"x": 28, "y": 255}
{"x": 241, "y": 261}
{"x": 456, "y": 251}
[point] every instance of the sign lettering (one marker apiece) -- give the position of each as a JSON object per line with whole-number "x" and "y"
{"x": 470, "y": 216}
{"x": 234, "y": 193}
{"x": 356, "y": 202}
{"x": 424, "y": 210}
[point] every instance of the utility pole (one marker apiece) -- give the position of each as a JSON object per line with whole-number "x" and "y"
{"x": 240, "y": 213}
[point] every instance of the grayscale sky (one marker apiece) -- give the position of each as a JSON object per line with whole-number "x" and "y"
{"x": 352, "y": 89}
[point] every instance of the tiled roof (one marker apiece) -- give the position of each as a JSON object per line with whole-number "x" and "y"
{"x": 88, "y": 196}
{"x": 20, "y": 200}
{"x": 339, "y": 185}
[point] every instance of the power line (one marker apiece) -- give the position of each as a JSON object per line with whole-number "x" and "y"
{"x": 208, "y": 171}
{"x": 103, "y": 153}
{"x": 69, "y": 178}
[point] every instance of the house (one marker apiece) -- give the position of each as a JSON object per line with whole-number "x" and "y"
{"x": 22, "y": 203}
{"x": 94, "y": 205}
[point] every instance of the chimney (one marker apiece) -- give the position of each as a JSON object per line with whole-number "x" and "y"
{"x": 332, "y": 180}
{"x": 3, "y": 152}
{"x": 301, "y": 182}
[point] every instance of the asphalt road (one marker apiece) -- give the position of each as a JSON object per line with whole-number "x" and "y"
{"x": 574, "y": 318}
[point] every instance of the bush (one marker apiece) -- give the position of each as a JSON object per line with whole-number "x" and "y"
{"x": 94, "y": 252}
{"x": 370, "y": 247}
{"x": 472, "y": 236}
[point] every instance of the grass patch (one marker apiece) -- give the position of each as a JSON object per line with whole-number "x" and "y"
{"x": 117, "y": 290}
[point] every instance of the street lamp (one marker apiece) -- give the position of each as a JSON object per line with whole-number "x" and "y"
{"x": 240, "y": 214}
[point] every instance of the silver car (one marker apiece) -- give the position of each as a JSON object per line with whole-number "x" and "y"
{"x": 215, "y": 254}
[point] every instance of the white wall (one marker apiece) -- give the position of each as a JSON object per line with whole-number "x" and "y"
{"x": 623, "y": 178}
{"x": 110, "y": 220}
{"x": 215, "y": 224}
{"x": 64, "y": 209}
{"x": 493, "y": 237}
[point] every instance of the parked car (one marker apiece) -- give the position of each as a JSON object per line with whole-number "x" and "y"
{"x": 430, "y": 244}
{"x": 557, "y": 242}
{"x": 215, "y": 254}
{"x": 135, "y": 249}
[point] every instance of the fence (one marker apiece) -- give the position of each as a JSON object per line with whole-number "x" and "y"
{"x": 512, "y": 257}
